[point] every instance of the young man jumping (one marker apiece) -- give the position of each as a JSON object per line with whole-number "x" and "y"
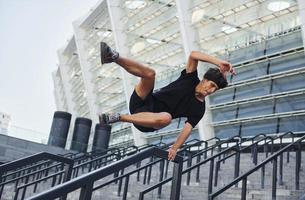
{"x": 150, "y": 111}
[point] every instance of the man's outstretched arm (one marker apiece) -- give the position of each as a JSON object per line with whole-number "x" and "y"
{"x": 196, "y": 56}
{"x": 185, "y": 133}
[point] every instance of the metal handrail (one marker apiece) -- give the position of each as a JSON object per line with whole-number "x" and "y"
{"x": 237, "y": 156}
{"x": 95, "y": 156}
{"x": 219, "y": 144}
{"x": 229, "y": 140}
{"x": 47, "y": 167}
{"x": 86, "y": 182}
{"x": 46, "y": 162}
{"x": 35, "y": 182}
{"x": 35, "y": 158}
{"x": 273, "y": 158}
{"x": 75, "y": 169}
{"x": 254, "y": 154}
{"x": 128, "y": 174}
{"x": 190, "y": 157}
{"x": 29, "y": 174}
{"x": 142, "y": 193}
{"x": 36, "y": 170}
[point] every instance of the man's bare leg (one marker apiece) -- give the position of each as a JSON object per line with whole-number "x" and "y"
{"x": 147, "y": 75}
{"x": 148, "y": 119}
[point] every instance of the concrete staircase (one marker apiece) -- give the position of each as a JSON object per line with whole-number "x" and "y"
{"x": 194, "y": 190}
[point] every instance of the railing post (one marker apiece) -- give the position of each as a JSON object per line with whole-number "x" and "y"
{"x": 219, "y": 150}
{"x": 297, "y": 166}
{"x": 206, "y": 152}
{"x": 198, "y": 169}
{"x": 189, "y": 164}
{"x": 216, "y": 173}
{"x": 281, "y": 170}
{"x": 244, "y": 189}
{"x": 266, "y": 148}
{"x": 120, "y": 184}
{"x": 2, "y": 186}
{"x": 272, "y": 142}
{"x": 274, "y": 178}
{"x": 255, "y": 154}
{"x": 68, "y": 173}
{"x": 125, "y": 188}
{"x": 166, "y": 168}
{"x": 237, "y": 166}
{"x": 210, "y": 186}
{"x": 263, "y": 177}
{"x": 161, "y": 177}
{"x": 86, "y": 191}
{"x": 176, "y": 182}
{"x": 149, "y": 171}
{"x": 145, "y": 175}
{"x": 288, "y": 156}
{"x": 138, "y": 174}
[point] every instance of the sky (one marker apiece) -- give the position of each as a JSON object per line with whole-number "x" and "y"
{"x": 31, "y": 31}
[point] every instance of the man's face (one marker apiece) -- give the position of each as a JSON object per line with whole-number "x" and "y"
{"x": 206, "y": 88}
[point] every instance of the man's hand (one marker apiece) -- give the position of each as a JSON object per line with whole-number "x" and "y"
{"x": 186, "y": 131}
{"x": 172, "y": 152}
{"x": 225, "y": 67}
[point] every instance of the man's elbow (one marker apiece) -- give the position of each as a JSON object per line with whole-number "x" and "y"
{"x": 193, "y": 54}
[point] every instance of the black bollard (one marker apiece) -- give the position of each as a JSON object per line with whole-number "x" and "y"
{"x": 81, "y": 134}
{"x": 101, "y": 137}
{"x": 59, "y": 129}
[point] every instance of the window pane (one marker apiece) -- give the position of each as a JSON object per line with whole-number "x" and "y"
{"x": 253, "y": 90}
{"x": 295, "y": 123}
{"x": 224, "y": 114}
{"x": 251, "y": 71}
{"x": 226, "y": 131}
{"x": 289, "y": 104}
{"x": 287, "y": 63}
{"x": 257, "y": 127}
{"x": 288, "y": 42}
{"x": 222, "y": 96}
{"x": 289, "y": 83}
{"x": 255, "y": 109}
{"x": 247, "y": 53}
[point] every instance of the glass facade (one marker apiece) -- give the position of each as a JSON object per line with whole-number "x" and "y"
{"x": 264, "y": 46}
{"x": 267, "y": 93}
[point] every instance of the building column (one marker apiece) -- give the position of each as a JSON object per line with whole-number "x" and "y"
{"x": 189, "y": 37}
{"x": 83, "y": 55}
{"x": 57, "y": 93}
{"x": 64, "y": 72}
{"x": 116, "y": 14}
{"x": 301, "y": 5}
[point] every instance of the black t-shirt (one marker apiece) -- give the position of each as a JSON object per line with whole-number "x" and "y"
{"x": 178, "y": 98}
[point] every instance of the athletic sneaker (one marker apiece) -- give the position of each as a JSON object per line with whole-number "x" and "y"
{"x": 109, "y": 118}
{"x": 108, "y": 55}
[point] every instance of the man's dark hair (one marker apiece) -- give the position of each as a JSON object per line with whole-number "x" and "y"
{"x": 217, "y": 77}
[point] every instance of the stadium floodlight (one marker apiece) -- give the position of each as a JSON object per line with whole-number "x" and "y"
{"x": 278, "y": 5}
{"x": 137, "y": 4}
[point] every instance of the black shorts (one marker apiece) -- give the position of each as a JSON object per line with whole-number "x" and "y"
{"x": 136, "y": 105}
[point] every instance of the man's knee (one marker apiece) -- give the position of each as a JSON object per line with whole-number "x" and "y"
{"x": 165, "y": 119}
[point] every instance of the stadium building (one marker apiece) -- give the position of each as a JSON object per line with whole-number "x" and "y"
{"x": 250, "y": 143}
{"x": 5, "y": 121}
{"x": 261, "y": 38}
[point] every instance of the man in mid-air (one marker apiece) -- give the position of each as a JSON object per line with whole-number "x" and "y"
{"x": 184, "y": 97}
